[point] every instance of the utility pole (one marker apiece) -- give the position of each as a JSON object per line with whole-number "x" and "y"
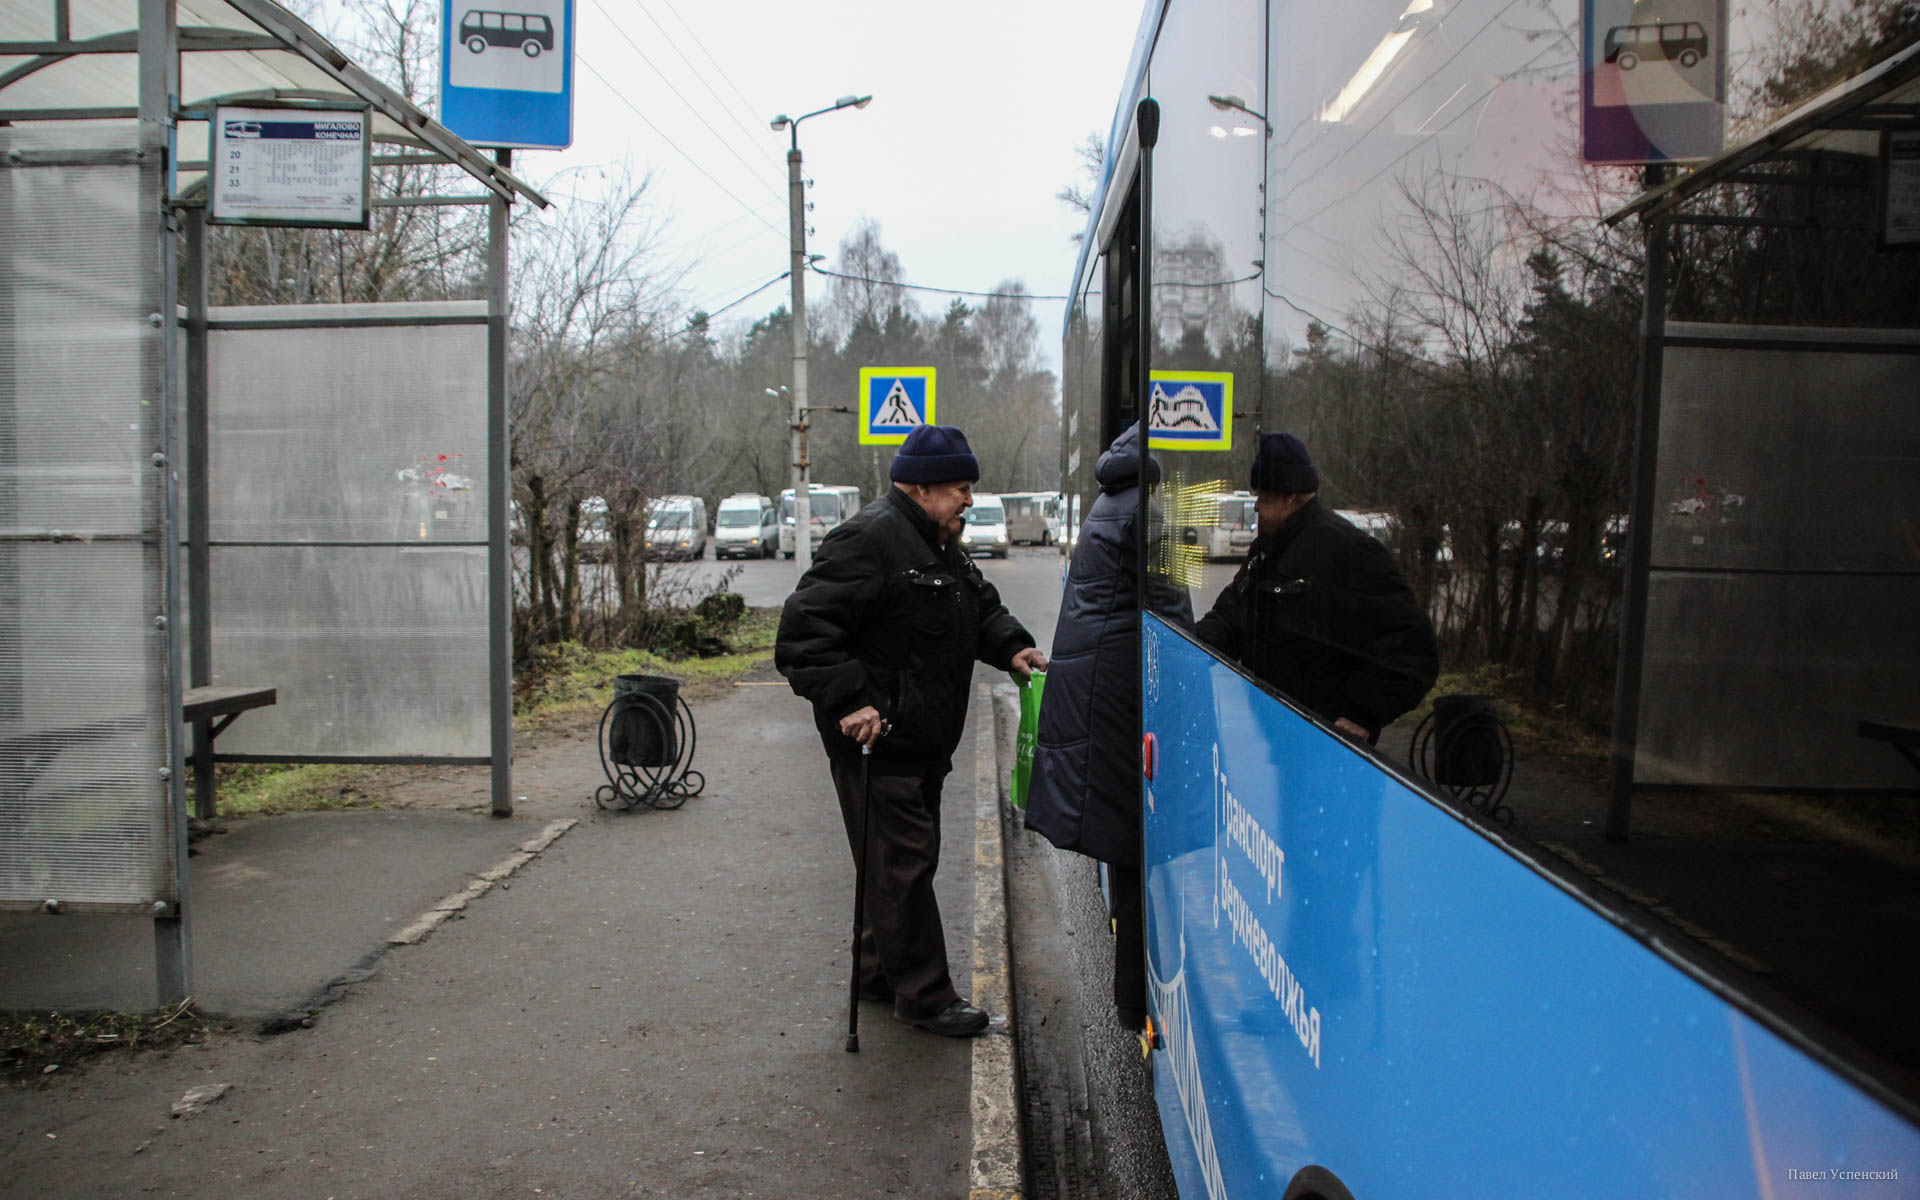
{"x": 797, "y": 239}
{"x": 802, "y": 475}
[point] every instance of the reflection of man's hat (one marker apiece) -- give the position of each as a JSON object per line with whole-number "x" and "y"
{"x": 1281, "y": 464}
{"x": 934, "y": 454}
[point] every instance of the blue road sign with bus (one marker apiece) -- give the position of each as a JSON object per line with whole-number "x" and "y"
{"x": 506, "y": 72}
{"x": 1347, "y": 978}
{"x": 1190, "y": 410}
{"x": 1653, "y": 85}
{"x": 893, "y": 402}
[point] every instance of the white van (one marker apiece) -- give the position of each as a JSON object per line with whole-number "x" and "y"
{"x": 986, "y": 531}
{"x": 676, "y": 527}
{"x": 746, "y": 528}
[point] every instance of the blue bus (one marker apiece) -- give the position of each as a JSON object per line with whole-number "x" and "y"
{"x": 1682, "y": 967}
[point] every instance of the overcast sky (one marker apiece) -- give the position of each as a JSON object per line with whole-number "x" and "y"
{"x": 976, "y": 113}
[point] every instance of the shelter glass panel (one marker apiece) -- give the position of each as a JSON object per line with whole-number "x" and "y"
{"x": 1750, "y": 436}
{"x": 349, "y": 525}
{"x": 1785, "y": 573}
{"x": 376, "y": 651}
{"x": 83, "y": 723}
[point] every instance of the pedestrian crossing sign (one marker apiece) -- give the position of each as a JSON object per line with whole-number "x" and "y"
{"x": 1190, "y": 410}
{"x": 893, "y": 402}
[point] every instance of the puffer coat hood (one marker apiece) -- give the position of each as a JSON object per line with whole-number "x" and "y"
{"x": 1119, "y": 465}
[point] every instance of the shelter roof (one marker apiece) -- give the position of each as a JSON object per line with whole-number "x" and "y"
{"x": 78, "y": 60}
{"x": 1846, "y": 119}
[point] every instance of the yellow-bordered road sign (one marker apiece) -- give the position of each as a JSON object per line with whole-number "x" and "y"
{"x": 894, "y": 401}
{"x": 1190, "y": 410}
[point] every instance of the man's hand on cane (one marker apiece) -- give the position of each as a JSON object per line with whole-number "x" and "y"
{"x": 865, "y": 725}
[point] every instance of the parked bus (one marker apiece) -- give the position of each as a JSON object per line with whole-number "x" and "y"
{"x": 828, "y": 505}
{"x": 1033, "y": 518}
{"x": 1222, "y": 524}
{"x": 1361, "y": 985}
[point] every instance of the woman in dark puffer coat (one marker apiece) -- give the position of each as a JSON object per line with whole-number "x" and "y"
{"x": 1085, "y": 790}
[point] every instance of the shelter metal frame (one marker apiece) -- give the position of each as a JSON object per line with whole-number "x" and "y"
{"x": 266, "y": 45}
{"x": 1884, "y": 97}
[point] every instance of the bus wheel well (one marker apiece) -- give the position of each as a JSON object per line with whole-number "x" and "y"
{"x": 1316, "y": 1183}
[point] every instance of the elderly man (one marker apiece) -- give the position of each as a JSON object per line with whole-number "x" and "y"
{"x": 881, "y": 636}
{"x": 1319, "y": 611}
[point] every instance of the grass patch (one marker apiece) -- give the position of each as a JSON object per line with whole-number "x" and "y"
{"x": 571, "y": 680}
{"x": 34, "y": 1044}
{"x": 561, "y": 683}
{"x": 263, "y": 789}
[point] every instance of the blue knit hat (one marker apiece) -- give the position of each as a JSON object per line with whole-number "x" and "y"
{"x": 1281, "y": 464}
{"x": 934, "y": 454}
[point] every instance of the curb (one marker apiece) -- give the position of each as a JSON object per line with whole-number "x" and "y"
{"x": 996, "y": 1171}
{"x": 481, "y": 884}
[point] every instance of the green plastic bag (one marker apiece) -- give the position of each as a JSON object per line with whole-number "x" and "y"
{"x": 1029, "y": 734}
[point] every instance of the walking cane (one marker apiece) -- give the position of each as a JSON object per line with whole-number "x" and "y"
{"x": 859, "y": 903}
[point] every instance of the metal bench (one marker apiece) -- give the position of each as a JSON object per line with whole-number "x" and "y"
{"x": 200, "y": 707}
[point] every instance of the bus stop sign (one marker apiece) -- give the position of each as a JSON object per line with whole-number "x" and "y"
{"x": 506, "y": 72}
{"x": 1653, "y": 81}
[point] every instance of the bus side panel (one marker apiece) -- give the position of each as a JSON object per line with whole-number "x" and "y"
{"x": 1345, "y": 975}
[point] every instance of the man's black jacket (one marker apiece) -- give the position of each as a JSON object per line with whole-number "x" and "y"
{"x": 1320, "y": 613}
{"x": 888, "y": 618}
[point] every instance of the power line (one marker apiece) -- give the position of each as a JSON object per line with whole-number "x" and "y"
{"x": 701, "y": 46}
{"x": 595, "y": 72}
{"x": 915, "y": 287}
{"x": 753, "y": 172}
{"x": 741, "y": 300}
{"x": 754, "y": 138}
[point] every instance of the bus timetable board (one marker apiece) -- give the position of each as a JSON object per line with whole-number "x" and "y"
{"x": 291, "y": 166}
{"x": 1348, "y": 978}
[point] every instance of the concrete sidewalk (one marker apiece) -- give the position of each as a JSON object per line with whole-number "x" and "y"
{"x": 653, "y": 1005}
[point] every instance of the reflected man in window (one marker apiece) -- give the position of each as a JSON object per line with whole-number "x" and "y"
{"x": 1319, "y": 611}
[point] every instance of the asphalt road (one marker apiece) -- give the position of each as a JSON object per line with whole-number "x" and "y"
{"x": 1029, "y": 580}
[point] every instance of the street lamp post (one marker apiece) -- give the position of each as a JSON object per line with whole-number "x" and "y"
{"x": 1236, "y": 104}
{"x": 797, "y": 237}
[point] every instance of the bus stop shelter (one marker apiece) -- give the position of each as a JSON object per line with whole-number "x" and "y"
{"x": 1773, "y": 570}
{"x": 205, "y": 509}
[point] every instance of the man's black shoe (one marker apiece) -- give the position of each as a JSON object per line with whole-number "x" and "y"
{"x": 958, "y": 1019}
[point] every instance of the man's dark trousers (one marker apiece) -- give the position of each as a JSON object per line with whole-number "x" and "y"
{"x": 903, "y": 948}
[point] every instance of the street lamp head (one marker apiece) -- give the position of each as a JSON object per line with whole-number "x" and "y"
{"x": 851, "y": 101}
{"x": 780, "y": 122}
{"x": 1225, "y": 103}
{"x": 778, "y": 393}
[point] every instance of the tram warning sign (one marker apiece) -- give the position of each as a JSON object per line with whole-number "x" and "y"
{"x": 1190, "y": 410}
{"x": 893, "y": 402}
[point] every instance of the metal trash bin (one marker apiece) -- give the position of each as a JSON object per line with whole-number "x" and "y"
{"x": 641, "y": 733}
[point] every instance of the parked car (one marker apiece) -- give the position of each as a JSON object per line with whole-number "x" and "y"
{"x": 746, "y": 527}
{"x": 596, "y": 532}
